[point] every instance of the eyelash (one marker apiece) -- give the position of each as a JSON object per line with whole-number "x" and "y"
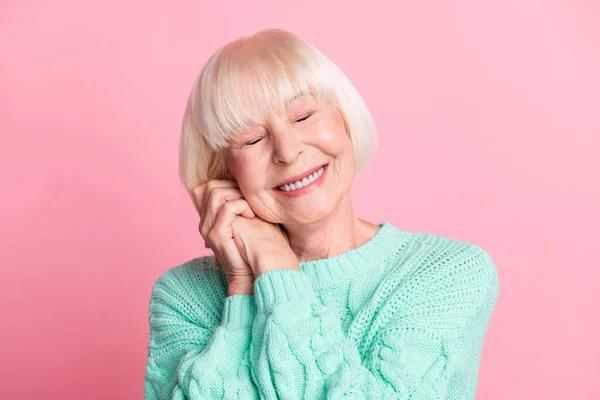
{"x": 298, "y": 120}
{"x": 303, "y": 118}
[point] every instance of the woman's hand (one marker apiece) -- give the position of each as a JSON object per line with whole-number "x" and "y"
{"x": 263, "y": 245}
{"x": 245, "y": 245}
{"x": 219, "y": 204}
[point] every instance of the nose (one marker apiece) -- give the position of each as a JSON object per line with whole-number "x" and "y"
{"x": 287, "y": 145}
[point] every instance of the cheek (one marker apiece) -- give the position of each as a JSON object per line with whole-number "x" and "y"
{"x": 332, "y": 136}
{"x": 238, "y": 166}
{"x": 249, "y": 175}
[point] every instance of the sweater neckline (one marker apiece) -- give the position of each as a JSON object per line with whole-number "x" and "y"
{"x": 368, "y": 255}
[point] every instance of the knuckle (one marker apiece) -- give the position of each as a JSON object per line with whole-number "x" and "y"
{"x": 211, "y": 185}
{"x": 197, "y": 190}
{"x": 203, "y": 232}
{"x": 209, "y": 235}
{"x": 213, "y": 195}
{"x": 212, "y": 238}
{"x": 198, "y": 194}
{"x": 228, "y": 207}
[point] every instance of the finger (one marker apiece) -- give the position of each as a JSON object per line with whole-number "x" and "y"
{"x": 225, "y": 217}
{"x": 218, "y": 235}
{"x": 229, "y": 212}
{"x": 200, "y": 192}
{"x": 208, "y": 192}
{"x": 217, "y": 199}
{"x": 197, "y": 194}
{"x": 233, "y": 257}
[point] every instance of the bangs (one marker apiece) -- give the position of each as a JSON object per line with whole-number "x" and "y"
{"x": 241, "y": 84}
{"x": 244, "y": 81}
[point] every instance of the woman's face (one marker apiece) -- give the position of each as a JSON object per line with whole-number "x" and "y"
{"x": 288, "y": 145}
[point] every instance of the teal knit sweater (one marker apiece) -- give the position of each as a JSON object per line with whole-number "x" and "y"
{"x": 403, "y": 316}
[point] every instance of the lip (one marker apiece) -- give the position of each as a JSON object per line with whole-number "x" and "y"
{"x": 314, "y": 185}
{"x": 299, "y": 177}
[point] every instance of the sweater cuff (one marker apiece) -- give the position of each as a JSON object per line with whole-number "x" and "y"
{"x": 282, "y": 285}
{"x": 239, "y": 311}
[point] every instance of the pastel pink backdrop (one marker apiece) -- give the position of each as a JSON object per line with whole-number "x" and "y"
{"x": 488, "y": 116}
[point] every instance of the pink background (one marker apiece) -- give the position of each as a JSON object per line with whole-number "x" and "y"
{"x": 489, "y": 121}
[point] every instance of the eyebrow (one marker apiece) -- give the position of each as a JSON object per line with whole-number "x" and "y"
{"x": 294, "y": 97}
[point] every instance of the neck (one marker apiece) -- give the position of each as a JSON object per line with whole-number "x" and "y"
{"x": 337, "y": 233}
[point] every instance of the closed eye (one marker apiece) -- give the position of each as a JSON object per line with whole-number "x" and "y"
{"x": 254, "y": 141}
{"x": 303, "y": 118}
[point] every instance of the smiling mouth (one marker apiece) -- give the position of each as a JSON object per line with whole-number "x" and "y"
{"x": 299, "y": 184}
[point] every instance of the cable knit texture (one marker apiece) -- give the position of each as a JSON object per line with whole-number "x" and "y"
{"x": 403, "y": 316}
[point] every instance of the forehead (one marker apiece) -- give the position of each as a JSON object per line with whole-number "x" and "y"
{"x": 288, "y": 104}
{"x": 299, "y": 98}
{"x": 300, "y": 103}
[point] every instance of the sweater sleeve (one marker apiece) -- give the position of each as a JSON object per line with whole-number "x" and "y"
{"x": 192, "y": 356}
{"x": 422, "y": 349}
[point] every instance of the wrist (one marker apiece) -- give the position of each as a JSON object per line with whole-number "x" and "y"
{"x": 240, "y": 288}
{"x": 268, "y": 263}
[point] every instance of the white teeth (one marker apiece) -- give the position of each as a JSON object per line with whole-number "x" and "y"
{"x": 300, "y": 184}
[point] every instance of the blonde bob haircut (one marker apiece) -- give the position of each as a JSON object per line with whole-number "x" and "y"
{"x": 251, "y": 76}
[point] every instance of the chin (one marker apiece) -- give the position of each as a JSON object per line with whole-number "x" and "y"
{"x": 308, "y": 217}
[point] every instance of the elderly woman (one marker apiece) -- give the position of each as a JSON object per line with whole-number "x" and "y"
{"x": 301, "y": 298}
